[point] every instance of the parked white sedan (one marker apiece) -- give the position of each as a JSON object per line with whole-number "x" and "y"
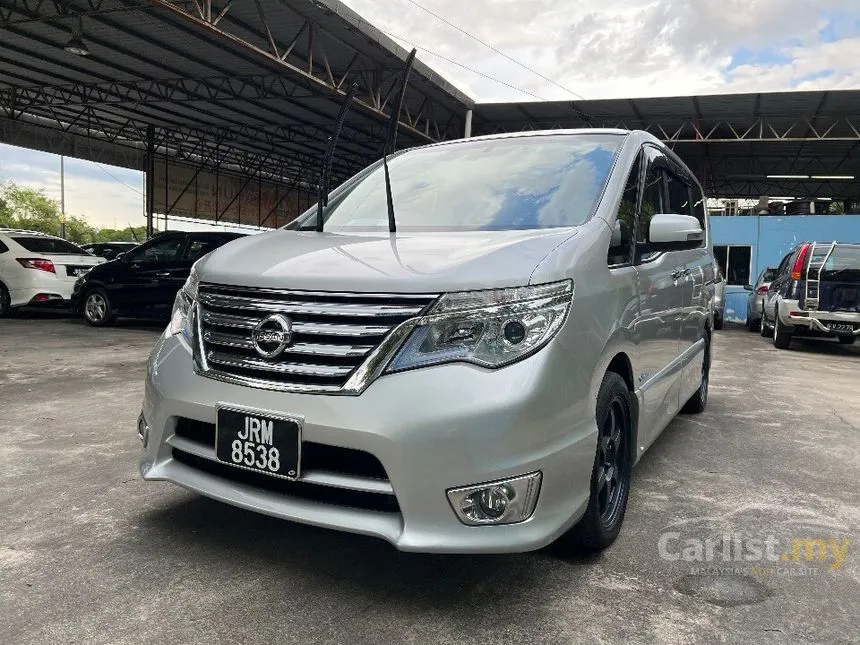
{"x": 36, "y": 269}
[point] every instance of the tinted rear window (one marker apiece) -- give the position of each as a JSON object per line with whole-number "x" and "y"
{"x": 768, "y": 275}
{"x": 497, "y": 184}
{"x": 844, "y": 257}
{"x": 843, "y": 264}
{"x": 49, "y": 245}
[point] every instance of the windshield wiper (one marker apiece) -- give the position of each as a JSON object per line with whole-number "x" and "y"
{"x": 391, "y": 139}
{"x": 325, "y": 172}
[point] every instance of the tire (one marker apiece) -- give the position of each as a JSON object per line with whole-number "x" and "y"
{"x": 696, "y": 403}
{"x": 98, "y": 310}
{"x": 763, "y": 326}
{"x": 718, "y": 322}
{"x": 781, "y": 334}
{"x": 755, "y": 325}
{"x": 5, "y": 302}
{"x": 601, "y": 523}
{"x": 847, "y": 340}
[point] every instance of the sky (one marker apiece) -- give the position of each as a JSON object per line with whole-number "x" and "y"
{"x": 589, "y": 49}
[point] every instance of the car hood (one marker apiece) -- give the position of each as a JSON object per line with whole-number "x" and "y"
{"x": 401, "y": 262}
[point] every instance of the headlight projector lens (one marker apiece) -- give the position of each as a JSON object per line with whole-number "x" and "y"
{"x": 515, "y": 332}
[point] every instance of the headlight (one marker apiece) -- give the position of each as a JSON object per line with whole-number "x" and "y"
{"x": 490, "y": 328}
{"x": 180, "y": 319}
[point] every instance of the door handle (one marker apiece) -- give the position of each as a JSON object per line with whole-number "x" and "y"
{"x": 162, "y": 274}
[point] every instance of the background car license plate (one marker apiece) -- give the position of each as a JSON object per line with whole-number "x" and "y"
{"x": 260, "y": 442}
{"x": 841, "y": 327}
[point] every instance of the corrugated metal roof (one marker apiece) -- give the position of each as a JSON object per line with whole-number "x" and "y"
{"x": 256, "y": 85}
{"x": 731, "y": 141}
{"x": 163, "y": 63}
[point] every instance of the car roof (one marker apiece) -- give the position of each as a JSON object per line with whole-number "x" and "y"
{"x": 215, "y": 234}
{"x": 19, "y": 232}
{"x": 24, "y": 231}
{"x": 525, "y": 134}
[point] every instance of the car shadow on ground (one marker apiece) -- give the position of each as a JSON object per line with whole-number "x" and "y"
{"x": 298, "y": 552}
{"x": 826, "y": 346}
{"x": 141, "y": 324}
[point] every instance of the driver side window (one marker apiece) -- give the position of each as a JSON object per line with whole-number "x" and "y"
{"x": 654, "y": 199}
{"x": 653, "y": 195}
{"x": 621, "y": 246}
{"x": 159, "y": 251}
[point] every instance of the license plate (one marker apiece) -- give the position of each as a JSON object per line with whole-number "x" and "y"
{"x": 841, "y": 327}
{"x": 77, "y": 271}
{"x": 258, "y": 441}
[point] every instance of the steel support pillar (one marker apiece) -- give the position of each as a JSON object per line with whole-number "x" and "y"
{"x": 150, "y": 178}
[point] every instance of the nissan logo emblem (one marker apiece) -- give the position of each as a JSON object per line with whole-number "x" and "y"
{"x": 272, "y": 335}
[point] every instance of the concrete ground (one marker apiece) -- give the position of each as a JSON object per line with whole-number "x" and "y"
{"x": 90, "y": 554}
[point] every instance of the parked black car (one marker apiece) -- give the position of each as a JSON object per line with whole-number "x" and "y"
{"x": 108, "y": 250}
{"x": 143, "y": 282}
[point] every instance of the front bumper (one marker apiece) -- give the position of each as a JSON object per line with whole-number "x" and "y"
{"x": 432, "y": 429}
{"x": 790, "y": 313}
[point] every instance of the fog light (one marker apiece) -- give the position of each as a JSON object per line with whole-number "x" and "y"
{"x": 142, "y": 430}
{"x": 494, "y": 501}
{"x": 503, "y": 502}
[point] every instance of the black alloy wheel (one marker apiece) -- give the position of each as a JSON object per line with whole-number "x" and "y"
{"x": 613, "y": 458}
{"x": 610, "y": 477}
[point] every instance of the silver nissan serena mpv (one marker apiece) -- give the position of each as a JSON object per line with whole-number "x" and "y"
{"x": 480, "y": 380}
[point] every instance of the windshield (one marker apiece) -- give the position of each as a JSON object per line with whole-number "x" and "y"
{"x": 50, "y": 245}
{"x": 499, "y": 184}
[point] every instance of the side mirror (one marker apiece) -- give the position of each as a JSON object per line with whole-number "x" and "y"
{"x": 748, "y": 287}
{"x": 675, "y": 231}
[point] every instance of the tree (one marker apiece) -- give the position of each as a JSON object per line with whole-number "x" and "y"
{"x": 31, "y": 209}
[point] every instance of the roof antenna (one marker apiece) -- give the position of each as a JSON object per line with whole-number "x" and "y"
{"x": 325, "y": 172}
{"x": 391, "y": 139}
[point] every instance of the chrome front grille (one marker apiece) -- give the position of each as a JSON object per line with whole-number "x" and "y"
{"x": 334, "y": 335}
